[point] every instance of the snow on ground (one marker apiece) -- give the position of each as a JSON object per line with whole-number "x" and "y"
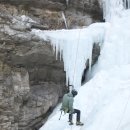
{"x": 105, "y": 100}
{"x": 102, "y": 101}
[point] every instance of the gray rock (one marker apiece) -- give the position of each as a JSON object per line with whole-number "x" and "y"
{"x": 32, "y": 81}
{"x": 49, "y": 12}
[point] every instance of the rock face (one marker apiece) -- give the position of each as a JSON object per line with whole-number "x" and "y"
{"x": 31, "y": 83}
{"x": 55, "y": 14}
{"x": 31, "y": 79}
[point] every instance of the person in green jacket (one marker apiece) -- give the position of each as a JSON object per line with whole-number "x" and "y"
{"x": 67, "y": 107}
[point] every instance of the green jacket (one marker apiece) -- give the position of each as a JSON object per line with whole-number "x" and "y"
{"x": 67, "y": 103}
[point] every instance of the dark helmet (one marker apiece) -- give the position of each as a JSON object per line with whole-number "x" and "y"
{"x": 74, "y": 92}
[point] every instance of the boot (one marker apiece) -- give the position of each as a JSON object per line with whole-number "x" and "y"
{"x": 71, "y": 123}
{"x": 79, "y": 123}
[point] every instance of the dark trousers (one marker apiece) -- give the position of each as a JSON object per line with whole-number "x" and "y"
{"x": 77, "y": 117}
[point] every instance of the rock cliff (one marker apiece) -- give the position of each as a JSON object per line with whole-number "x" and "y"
{"x": 32, "y": 81}
{"x": 50, "y": 12}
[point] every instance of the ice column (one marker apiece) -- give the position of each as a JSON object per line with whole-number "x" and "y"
{"x": 126, "y": 4}
{"x": 112, "y": 9}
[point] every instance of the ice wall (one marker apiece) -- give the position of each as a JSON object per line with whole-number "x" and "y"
{"x": 112, "y": 9}
{"x": 75, "y": 46}
{"x": 115, "y": 51}
{"x": 126, "y": 4}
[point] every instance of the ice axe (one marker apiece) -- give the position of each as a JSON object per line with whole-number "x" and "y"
{"x": 60, "y": 115}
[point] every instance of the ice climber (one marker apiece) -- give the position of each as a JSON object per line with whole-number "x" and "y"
{"x": 67, "y": 107}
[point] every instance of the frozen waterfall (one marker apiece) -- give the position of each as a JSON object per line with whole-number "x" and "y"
{"x": 75, "y": 46}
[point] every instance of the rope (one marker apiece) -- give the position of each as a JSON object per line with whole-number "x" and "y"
{"x": 76, "y": 57}
{"x": 123, "y": 113}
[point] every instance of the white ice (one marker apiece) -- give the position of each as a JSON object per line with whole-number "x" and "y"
{"x": 76, "y": 47}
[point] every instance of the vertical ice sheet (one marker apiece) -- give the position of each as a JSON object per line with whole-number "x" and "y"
{"x": 75, "y": 46}
{"x": 112, "y": 9}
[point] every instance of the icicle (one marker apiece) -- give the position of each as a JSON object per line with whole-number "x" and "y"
{"x": 61, "y": 53}
{"x": 63, "y": 16}
{"x": 56, "y": 50}
{"x": 125, "y": 4}
{"x": 67, "y": 79}
{"x": 67, "y": 41}
{"x": 90, "y": 57}
{"x": 104, "y": 10}
{"x": 67, "y": 2}
{"x": 128, "y": 1}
